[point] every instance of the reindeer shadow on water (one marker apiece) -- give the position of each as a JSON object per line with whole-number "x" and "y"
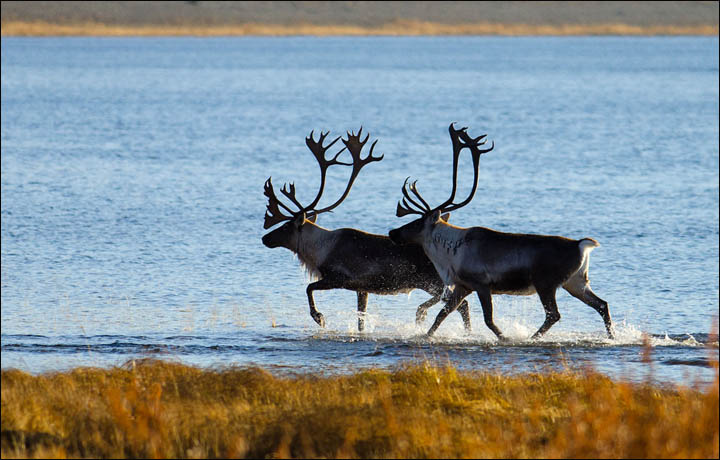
{"x": 347, "y": 258}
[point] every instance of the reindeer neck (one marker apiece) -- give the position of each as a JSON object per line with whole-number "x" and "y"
{"x": 444, "y": 240}
{"x": 314, "y": 244}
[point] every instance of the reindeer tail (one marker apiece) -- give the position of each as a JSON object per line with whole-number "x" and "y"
{"x": 587, "y": 244}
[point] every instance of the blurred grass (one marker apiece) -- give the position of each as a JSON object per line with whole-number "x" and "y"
{"x": 156, "y": 409}
{"x": 400, "y": 27}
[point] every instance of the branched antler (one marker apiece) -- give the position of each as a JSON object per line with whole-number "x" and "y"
{"x": 460, "y": 140}
{"x": 273, "y": 214}
{"x": 468, "y": 142}
{"x": 353, "y": 144}
{"x": 319, "y": 150}
{"x": 291, "y": 194}
{"x": 406, "y": 206}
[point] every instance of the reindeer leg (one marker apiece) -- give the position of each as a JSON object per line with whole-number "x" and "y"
{"x": 422, "y": 309}
{"x": 602, "y": 308}
{"x": 552, "y": 315}
{"x": 362, "y": 307}
{"x": 485, "y": 297}
{"x": 452, "y": 303}
{"x": 449, "y": 307}
{"x": 581, "y": 290}
{"x": 464, "y": 310}
{"x": 321, "y": 285}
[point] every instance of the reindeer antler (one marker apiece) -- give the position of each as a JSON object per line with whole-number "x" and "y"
{"x": 273, "y": 214}
{"x": 460, "y": 140}
{"x": 319, "y": 151}
{"x": 407, "y": 203}
{"x": 354, "y": 145}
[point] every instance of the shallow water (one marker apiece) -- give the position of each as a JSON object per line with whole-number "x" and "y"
{"x": 132, "y": 195}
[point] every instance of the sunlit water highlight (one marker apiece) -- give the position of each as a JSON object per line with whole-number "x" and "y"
{"x": 132, "y": 174}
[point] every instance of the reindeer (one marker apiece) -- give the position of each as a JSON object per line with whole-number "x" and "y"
{"x": 348, "y": 258}
{"x": 490, "y": 262}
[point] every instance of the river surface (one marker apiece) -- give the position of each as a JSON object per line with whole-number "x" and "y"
{"x": 132, "y": 196}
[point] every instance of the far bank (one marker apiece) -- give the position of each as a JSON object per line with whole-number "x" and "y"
{"x": 395, "y": 28}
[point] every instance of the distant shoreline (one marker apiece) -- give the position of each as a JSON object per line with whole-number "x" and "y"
{"x": 396, "y": 28}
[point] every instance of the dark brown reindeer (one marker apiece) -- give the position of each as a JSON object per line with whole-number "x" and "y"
{"x": 347, "y": 258}
{"x": 490, "y": 262}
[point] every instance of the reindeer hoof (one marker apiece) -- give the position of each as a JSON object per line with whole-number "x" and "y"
{"x": 319, "y": 318}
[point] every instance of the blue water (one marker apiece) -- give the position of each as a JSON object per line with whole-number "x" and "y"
{"x": 132, "y": 195}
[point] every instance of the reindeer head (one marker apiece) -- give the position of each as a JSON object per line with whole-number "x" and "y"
{"x": 415, "y": 231}
{"x": 289, "y": 233}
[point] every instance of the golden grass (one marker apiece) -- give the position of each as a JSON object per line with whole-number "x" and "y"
{"x": 402, "y": 27}
{"x": 161, "y": 409}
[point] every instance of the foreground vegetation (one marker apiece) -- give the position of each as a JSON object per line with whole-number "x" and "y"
{"x": 161, "y": 409}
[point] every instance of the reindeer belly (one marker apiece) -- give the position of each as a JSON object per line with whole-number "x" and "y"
{"x": 529, "y": 290}
{"x": 514, "y": 281}
{"x": 385, "y": 291}
{"x": 394, "y": 279}
{"x": 379, "y": 278}
{"x": 501, "y": 279}
{"x": 383, "y": 285}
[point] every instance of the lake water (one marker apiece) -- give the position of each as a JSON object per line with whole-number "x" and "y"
{"x": 132, "y": 196}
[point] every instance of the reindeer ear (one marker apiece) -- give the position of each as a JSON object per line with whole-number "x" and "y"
{"x": 435, "y": 216}
{"x": 312, "y": 218}
{"x": 445, "y": 217}
{"x": 298, "y": 220}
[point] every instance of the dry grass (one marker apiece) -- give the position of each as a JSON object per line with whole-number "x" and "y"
{"x": 404, "y": 27}
{"x": 161, "y": 409}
